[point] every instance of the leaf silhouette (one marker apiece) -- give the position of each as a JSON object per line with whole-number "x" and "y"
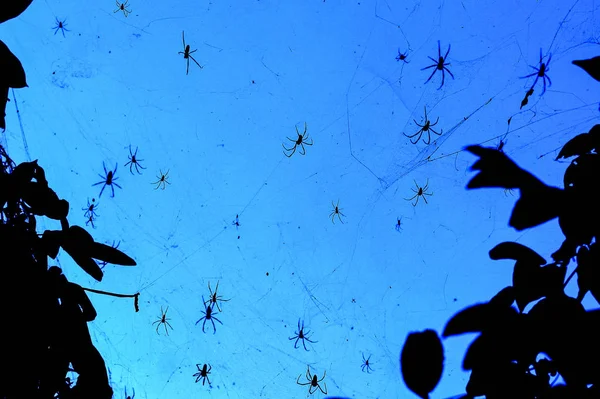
{"x": 538, "y": 202}
{"x": 77, "y": 243}
{"x": 588, "y": 272}
{"x": 516, "y": 251}
{"x": 591, "y": 66}
{"x": 583, "y": 143}
{"x": 13, "y": 74}
{"x": 12, "y": 8}
{"x": 44, "y": 201}
{"x": 109, "y": 254}
{"x": 422, "y": 362}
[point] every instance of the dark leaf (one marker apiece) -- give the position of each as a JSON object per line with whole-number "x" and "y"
{"x": 78, "y": 296}
{"x": 13, "y": 74}
{"x": 536, "y": 207}
{"x": 12, "y": 8}
{"x": 111, "y": 255}
{"x": 588, "y": 272}
{"x": 591, "y": 66}
{"x": 471, "y": 319}
{"x": 581, "y": 144}
{"x": 496, "y": 170}
{"x": 44, "y": 201}
{"x": 422, "y": 362}
{"x": 516, "y": 251}
{"x": 3, "y": 100}
{"x": 504, "y": 298}
{"x": 563, "y": 331}
{"x": 78, "y": 243}
{"x": 51, "y": 240}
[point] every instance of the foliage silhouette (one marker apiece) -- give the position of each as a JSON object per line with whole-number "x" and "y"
{"x": 518, "y": 353}
{"x": 45, "y": 334}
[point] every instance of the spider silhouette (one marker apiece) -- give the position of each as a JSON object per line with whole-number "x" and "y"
{"x": 398, "y": 226}
{"x": 163, "y": 319}
{"x": 301, "y": 335}
{"x": 366, "y": 364}
{"x": 313, "y": 382}
{"x": 214, "y": 298}
{"x": 61, "y": 25}
{"x": 90, "y": 209}
{"x": 419, "y": 192}
{"x": 540, "y": 73}
{"x": 439, "y": 65}
{"x": 123, "y": 7}
{"x": 402, "y": 56}
{"x": 109, "y": 180}
{"x": 162, "y": 180}
{"x": 208, "y": 315}
{"x": 425, "y": 128}
{"x": 203, "y": 373}
{"x": 336, "y": 211}
{"x": 134, "y": 162}
{"x": 187, "y": 54}
{"x": 300, "y": 141}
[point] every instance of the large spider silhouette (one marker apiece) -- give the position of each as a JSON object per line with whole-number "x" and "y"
{"x": 440, "y": 65}
{"x": 109, "y": 180}
{"x": 540, "y": 73}
{"x": 187, "y": 54}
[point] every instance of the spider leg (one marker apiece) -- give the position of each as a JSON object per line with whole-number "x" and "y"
{"x": 432, "y": 73}
{"x": 293, "y": 150}
{"x": 166, "y": 329}
{"x": 447, "y": 51}
{"x": 447, "y": 70}
{"x": 183, "y": 38}
{"x": 302, "y": 149}
{"x": 431, "y": 58}
{"x": 443, "y": 77}
{"x": 101, "y": 191}
{"x": 214, "y": 327}
{"x": 549, "y": 81}
{"x": 193, "y": 59}
{"x": 428, "y": 137}
{"x": 324, "y": 391}
{"x": 296, "y": 343}
{"x": 420, "y": 133}
{"x": 203, "y": 324}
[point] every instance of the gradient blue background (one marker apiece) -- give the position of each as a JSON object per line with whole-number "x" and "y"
{"x": 361, "y": 286}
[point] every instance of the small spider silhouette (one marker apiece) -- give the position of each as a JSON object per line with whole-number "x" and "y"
{"x": 301, "y": 335}
{"x": 301, "y": 141}
{"x": 162, "y": 180}
{"x": 426, "y": 127}
{"x": 123, "y": 7}
{"x": 61, "y": 25}
{"x": 134, "y": 162}
{"x": 336, "y": 211}
{"x": 419, "y": 192}
{"x": 402, "y": 56}
{"x": 208, "y": 315}
{"x": 203, "y": 373}
{"x": 366, "y": 364}
{"x": 164, "y": 320}
{"x": 214, "y": 298}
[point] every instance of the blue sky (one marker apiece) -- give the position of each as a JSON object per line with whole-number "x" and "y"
{"x": 115, "y": 82}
